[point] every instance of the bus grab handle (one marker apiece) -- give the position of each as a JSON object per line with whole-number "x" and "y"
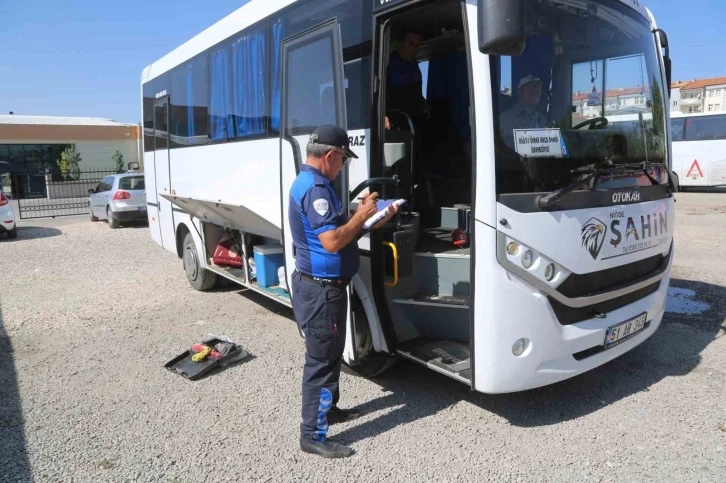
{"x": 395, "y": 264}
{"x": 371, "y": 181}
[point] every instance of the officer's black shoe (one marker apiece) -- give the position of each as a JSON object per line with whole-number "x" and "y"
{"x": 326, "y": 449}
{"x": 337, "y": 415}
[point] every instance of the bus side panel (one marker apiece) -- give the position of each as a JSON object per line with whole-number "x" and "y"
{"x": 164, "y": 187}
{"x": 717, "y": 171}
{"x": 694, "y": 158}
{"x": 152, "y": 206}
{"x": 245, "y": 173}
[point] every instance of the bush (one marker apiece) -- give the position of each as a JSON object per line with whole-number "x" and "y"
{"x": 118, "y": 158}
{"x": 69, "y": 164}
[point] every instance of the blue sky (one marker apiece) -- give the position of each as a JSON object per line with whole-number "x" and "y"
{"x": 84, "y": 57}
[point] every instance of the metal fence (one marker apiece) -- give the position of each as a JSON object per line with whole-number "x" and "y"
{"x": 49, "y": 194}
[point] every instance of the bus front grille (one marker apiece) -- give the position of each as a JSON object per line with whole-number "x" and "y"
{"x": 571, "y": 315}
{"x": 582, "y": 285}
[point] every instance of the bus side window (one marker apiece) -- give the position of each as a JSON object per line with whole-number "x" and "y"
{"x": 706, "y": 128}
{"x": 677, "y": 129}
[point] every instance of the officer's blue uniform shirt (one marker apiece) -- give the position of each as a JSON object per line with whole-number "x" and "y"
{"x": 315, "y": 209}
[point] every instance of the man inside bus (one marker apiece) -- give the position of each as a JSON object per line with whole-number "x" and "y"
{"x": 404, "y": 80}
{"x": 326, "y": 248}
{"x": 524, "y": 113}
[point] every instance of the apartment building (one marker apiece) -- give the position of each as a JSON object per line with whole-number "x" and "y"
{"x": 699, "y": 95}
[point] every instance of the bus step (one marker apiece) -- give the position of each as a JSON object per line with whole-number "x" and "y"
{"x": 437, "y": 300}
{"x": 448, "y": 357}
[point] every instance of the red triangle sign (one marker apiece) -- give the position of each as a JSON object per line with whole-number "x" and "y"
{"x": 696, "y": 167}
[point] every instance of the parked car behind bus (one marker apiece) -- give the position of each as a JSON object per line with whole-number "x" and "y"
{"x": 7, "y": 217}
{"x": 119, "y": 198}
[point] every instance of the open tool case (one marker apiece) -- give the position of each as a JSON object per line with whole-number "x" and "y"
{"x": 186, "y": 367}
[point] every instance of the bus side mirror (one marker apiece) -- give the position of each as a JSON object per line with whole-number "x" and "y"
{"x": 501, "y": 27}
{"x": 663, "y": 38}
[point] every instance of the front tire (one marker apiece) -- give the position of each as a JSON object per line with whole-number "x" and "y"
{"x": 113, "y": 222}
{"x": 369, "y": 363}
{"x": 199, "y": 278}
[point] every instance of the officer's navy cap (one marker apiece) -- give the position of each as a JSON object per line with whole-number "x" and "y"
{"x": 332, "y": 136}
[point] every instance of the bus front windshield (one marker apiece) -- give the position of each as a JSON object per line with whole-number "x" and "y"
{"x": 586, "y": 91}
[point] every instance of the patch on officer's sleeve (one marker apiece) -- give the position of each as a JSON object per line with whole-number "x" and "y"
{"x": 321, "y": 206}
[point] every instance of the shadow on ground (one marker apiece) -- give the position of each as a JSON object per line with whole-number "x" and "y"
{"x": 14, "y": 464}
{"x": 269, "y": 304}
{"x": 32, "y": 233}
{"x": 674, "y": 350}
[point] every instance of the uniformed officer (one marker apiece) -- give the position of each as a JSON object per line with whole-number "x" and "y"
{"x": 326, "y": 259}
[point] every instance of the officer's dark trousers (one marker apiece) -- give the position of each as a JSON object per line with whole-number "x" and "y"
{"x": 321, "y": 312}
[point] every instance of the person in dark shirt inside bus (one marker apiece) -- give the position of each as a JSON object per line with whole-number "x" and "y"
{"x": 404, "y": 80}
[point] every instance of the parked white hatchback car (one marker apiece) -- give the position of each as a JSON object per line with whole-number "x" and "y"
{"x": 7, "y": 217}
{"x": 119, "y": 198}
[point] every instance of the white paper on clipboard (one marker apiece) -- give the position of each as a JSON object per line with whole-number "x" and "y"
{"x": 382, "y": 206}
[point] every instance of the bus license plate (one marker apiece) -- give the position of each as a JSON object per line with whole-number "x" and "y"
{"x": 625, "y": 329}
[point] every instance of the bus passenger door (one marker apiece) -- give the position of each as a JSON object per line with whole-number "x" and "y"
{"x": 163, "y": 172}
{"x": 313, "y": 94}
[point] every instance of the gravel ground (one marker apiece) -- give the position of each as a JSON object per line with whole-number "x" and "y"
{"x": 91, "y": 315}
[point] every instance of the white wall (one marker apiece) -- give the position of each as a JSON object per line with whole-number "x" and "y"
{"x": 675, "y": 98}
{"x": 715, "y": 99}
{"x": 97, "y": 154}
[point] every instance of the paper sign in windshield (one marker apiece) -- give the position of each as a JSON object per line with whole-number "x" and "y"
{"x": 538, "y": 143}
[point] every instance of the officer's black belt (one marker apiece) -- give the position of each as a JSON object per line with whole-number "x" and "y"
{"x": 336, "y": 282}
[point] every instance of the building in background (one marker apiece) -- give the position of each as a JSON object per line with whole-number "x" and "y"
{"x": 30, "y": 143}
{"x": 699, "y": 95}
{"x": 675, "y": 97}
{"x": 624, "y": 100}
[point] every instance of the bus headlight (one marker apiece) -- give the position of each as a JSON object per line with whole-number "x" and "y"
{"x": 520, "y": 345}
{"x": 527, "y": 259}
{"x": 518, "y": 255}
{"x": 549, "y": 272}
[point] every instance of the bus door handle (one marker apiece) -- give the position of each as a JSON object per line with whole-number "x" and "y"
{"x": 395, "y": 264}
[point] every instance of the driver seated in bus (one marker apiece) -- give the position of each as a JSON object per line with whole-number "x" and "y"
{"x": 524, "y": 113}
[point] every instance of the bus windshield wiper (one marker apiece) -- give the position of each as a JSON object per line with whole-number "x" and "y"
{"x": 553, "y": 197}
{"x": 593, "y": 172}
{"x": 644, "y": 168}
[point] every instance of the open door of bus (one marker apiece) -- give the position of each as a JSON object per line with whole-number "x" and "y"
{"x": 313, "y": 94}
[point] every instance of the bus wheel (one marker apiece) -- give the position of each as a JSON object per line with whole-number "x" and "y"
{"x": 369, "y": 363}
{"x": 199, "y": 278}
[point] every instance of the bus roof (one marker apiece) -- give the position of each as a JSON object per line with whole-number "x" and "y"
{"x": 246, "y": 15}
{"x": 695, "y": 114}
{"x": 250, "y": 13}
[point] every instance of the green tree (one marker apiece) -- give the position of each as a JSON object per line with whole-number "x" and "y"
{"x": 118, "y": 158}
{"x": 69, "y": 163}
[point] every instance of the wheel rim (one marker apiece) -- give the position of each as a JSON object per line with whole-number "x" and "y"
{"x": 191, "y": 266}
{"x": 363, "y": 338}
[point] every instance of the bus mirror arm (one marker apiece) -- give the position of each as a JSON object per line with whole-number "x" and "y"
{"x": 393, "y": 181}
{"x": 663, "y": 38}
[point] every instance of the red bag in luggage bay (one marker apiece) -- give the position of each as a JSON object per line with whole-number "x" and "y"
{"x": 226, "y": 253}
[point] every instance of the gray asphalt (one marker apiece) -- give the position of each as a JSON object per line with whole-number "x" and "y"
{"x": 90, "y": 316}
